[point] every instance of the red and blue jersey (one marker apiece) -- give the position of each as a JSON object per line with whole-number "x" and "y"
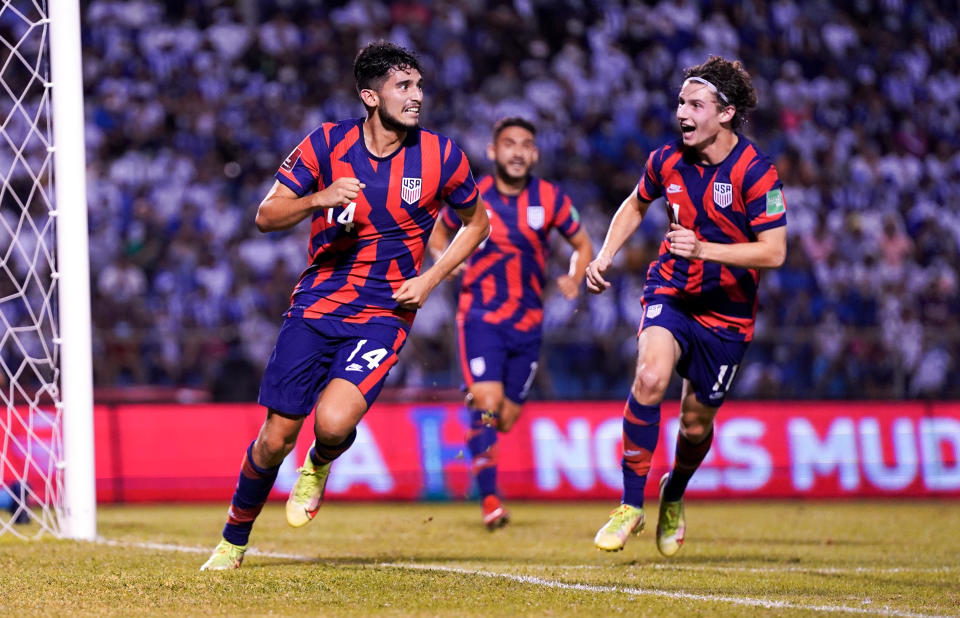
{"x": 504, "y": 278}
{"x": 730, "y": 202}
{"x": 360, "y": 254}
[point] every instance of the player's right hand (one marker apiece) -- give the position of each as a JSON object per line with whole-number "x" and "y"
{"x": 595, "y": 269}
{"x": 341, "y": 192}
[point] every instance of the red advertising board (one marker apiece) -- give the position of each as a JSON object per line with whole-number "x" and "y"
{"x": 558, "y": 450}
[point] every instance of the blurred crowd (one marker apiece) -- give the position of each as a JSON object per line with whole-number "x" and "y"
{"x": 191, "y": 107}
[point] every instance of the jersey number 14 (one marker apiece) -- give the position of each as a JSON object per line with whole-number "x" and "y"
{"x": 345, "y": 218}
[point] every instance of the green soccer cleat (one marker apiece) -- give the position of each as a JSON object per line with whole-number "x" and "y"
{"x": 624, "y": 519}
{"x": 671, "y": 524}
{"x": 307, "y": 494}
{"x": 226, "y": 556}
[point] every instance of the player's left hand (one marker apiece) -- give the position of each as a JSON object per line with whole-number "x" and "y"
{"x": 683, "y": 242}
{"x": 568, "y": 287}
{"x": 413, "y": 293}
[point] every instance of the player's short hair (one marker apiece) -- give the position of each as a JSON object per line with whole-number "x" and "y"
{"x": 732, "y": 83}
{"x": 375, "y": 62}
{"x": 512, "y": 121}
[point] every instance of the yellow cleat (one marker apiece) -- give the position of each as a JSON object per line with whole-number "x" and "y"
{"x": 624, "y": 520}
{"x": 307, "y": 494}
{"x": 671, "y": 524}
{"x": 226, "y": 556}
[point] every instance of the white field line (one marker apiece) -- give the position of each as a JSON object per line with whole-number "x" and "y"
{"x": 762, "y": 570}
{"x": 686, "y": 596}
{"x": 549, "y": 583}
{"x": 810, "y": 570}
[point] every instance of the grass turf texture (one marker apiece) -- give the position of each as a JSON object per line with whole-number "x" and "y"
{"x": 785, "y": 559}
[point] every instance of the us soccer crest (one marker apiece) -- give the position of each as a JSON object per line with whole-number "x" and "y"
{"x": 535, "y": 216}
{"x": 722, "y": 194}
{"x": 478, "y": 366}
{"x": 410, "y": 190}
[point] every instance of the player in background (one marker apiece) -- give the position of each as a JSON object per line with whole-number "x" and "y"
{"x": 500, "y": 314}
{"x": 727, "y": 222}
{"x": 372, "y": 189}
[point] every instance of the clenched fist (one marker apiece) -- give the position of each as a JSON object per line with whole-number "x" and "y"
{"x": 341, "y": 192}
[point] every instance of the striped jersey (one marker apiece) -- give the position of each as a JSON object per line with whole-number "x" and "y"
{"x": 360, "y": 254}
{"x": 725, "y": 203}
{"x": 504, "y": 278}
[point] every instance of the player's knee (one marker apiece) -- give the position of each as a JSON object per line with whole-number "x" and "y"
{"x": 491, "y": 403}
{"x": 332, "y": 434}
{"x": 695, "y": 431}
{"x": 509, "y": 413}
{"x": 650, "y": 386}
{"x": 274, "y": 446}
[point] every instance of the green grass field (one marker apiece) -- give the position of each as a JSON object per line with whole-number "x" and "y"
{"x": 787, "y": 559}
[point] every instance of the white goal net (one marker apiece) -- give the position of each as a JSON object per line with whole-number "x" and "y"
{"x": 33, "y": 460}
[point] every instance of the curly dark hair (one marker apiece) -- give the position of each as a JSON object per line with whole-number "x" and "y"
{"x": 377, "y": 59}
{"x": 732, "y": 80}
{"x": 512, "y": 121}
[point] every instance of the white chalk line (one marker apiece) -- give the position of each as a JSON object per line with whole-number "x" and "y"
{"x": 773, "y": 570}
{"x": 549, "y": 583}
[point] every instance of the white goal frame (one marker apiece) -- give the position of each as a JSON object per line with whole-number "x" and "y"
{"x": 79, "y": 515}
{"x": 46, "y": 437}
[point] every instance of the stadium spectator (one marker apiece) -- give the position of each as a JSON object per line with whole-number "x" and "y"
{"x": 865, "y": 114}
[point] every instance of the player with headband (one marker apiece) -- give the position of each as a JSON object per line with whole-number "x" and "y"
{"x": 727, "y": 223}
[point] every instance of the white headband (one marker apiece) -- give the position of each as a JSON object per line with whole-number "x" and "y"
{"x": 716, "y": 90}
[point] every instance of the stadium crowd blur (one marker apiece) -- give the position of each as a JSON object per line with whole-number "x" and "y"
{"x": 191, "y": 110}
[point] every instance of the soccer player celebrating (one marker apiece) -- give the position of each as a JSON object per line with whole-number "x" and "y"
{"x": 372, "y": 188}
{"x": 500, "y": 314}
{"x": 727, "y": 221}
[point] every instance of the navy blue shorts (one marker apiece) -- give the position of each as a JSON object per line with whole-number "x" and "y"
{"x": 489, "y": 352}
{"x": 311, "y": 352}
{"x": 708, "y": 360}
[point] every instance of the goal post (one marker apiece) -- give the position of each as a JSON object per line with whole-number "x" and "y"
{"x": 78, "y": 517}
{"x": 47, "y": 476}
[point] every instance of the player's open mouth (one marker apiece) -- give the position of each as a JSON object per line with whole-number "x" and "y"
{"x": 412, "y": 110}
{"x": 687, "y": 128}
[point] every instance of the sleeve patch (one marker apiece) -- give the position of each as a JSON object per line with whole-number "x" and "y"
{"x": 291, "y": 160}
{"x": 775, "y": 202}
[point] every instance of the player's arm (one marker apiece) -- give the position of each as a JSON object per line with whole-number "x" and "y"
{"x": 439, "y": 239}
{"x": 624, "y": 223}
{"x": 768, "y": 251}
{"x": 569, "y": 283}
{"x": 282, "y": 208}
{"x": 436, "y": 244}
{"x": 414, "y": 292}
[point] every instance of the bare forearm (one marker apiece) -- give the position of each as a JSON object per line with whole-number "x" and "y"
{"x": 768, "y": 251}
{"x": 282, "y": 208}
{"x": 582, "y": 253}
{"x": 624, "y": 223}
{"x": 438, "y": 240}
{"x": 282, "y": 213}
{"x": 742, "y": 255}
{"x": 467, "y": 239}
